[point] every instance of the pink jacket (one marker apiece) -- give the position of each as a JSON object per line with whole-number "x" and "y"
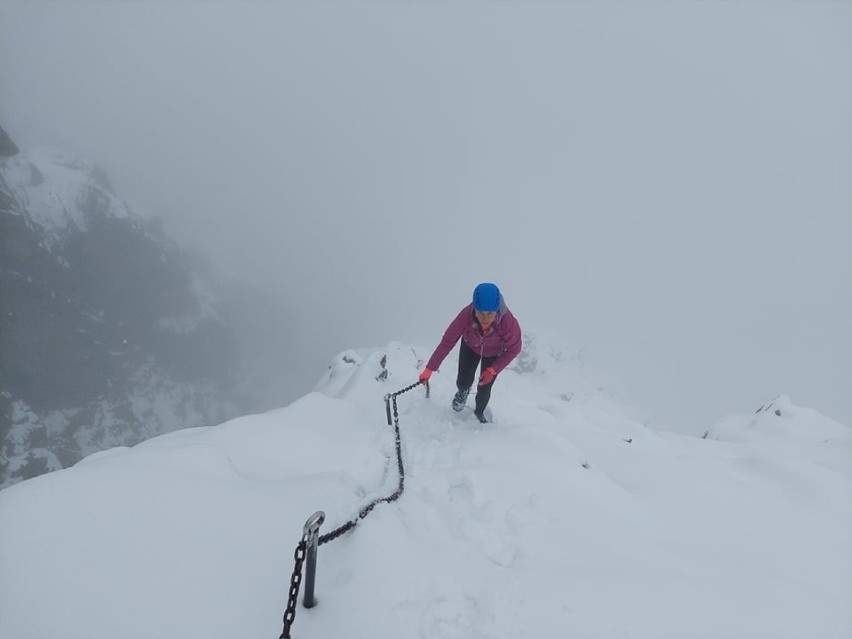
{"x": 502, "y": 339}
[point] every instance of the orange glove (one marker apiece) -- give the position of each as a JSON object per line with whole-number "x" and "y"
{"x": 425, "y": 375}
{"x": 487, "y": 376}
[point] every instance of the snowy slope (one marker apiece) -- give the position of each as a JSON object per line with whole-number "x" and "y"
{"x": 56, "y": 189}
{"x": 562, "y": 518}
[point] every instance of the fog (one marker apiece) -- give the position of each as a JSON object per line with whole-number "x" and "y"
{"x": 665, "y": 184}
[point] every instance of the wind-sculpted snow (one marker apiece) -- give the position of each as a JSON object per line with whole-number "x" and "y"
{"x": 562, "y": 518}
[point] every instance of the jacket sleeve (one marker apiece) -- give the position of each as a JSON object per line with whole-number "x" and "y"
{"x": 451, "y": 336}
{"x": 512, "y": 341}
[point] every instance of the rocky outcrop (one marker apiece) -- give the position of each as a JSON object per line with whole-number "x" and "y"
{"x": 7, "y": 147}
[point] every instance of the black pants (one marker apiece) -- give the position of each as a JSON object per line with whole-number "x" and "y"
{"x": 468, "y": 360}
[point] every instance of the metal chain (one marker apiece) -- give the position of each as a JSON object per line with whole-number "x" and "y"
{"x": 295, "y": 582}
{"x": 301, "y": 548}
{"x": 366, "y": 510}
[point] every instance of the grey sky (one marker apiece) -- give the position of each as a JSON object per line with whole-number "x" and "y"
{"x": 667, "y": 184}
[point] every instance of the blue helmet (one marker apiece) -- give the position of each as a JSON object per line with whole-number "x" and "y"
{"x": 486, "y": 297}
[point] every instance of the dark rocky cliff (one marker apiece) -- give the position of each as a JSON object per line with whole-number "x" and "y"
{"x": 107, "y": 334}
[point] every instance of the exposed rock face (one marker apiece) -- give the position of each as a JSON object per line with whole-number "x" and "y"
{"x": 7, "y": 147}
{"x": 107, "y": 336}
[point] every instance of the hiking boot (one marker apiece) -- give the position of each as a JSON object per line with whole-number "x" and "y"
{"x": 460, "y": 399}
{"x": 481, "y": 417}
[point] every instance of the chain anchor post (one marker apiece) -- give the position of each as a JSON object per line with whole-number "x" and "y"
{"x": 388, "y": 409}
{"x": 311, "y": 533}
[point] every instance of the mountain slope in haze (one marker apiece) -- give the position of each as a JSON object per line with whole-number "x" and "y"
{"x": 108, "y": 333}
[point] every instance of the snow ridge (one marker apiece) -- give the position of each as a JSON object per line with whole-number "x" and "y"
{"x": 561, "y": 518}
